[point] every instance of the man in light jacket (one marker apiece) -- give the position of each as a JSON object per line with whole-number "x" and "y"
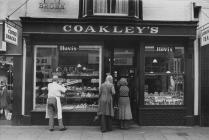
{"x": 53, "y": 107}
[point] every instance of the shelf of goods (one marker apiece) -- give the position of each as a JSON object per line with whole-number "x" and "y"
{"x": 81, "y": 96}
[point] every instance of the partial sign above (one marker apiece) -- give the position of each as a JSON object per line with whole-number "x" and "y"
{"x": 3, "y": 46}
{"x": 10, "y": 34}
{"x": 55, "y": 4}
{"x": 205, "y": 37}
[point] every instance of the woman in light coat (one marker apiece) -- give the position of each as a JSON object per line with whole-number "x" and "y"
{"x": 105, "y": 108}
{"x": 53, "y": 107}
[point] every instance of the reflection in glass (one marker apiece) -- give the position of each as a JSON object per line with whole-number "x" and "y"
{"x": 164, "y": 75}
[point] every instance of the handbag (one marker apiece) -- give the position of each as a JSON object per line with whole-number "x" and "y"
{"x": 116, "y": 113}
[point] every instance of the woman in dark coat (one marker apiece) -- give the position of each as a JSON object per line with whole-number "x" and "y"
{"x": 105, "y": 108}
{"x": 125, "y": 114}
{"x": 5, "y": 100}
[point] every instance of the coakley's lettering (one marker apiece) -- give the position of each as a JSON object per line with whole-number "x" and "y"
{"x": 140, "y": 29}
{"x": 90, "y": 29}
{"x": 129, "y": 29}
{"x": 154, "y": 30}
{"x": 103, "y": 29}
{"x": 110, "y": 29}
{"x": 67, "y": 28}
{"x": 115, "y": 30}
{"x": 78, "y": 28}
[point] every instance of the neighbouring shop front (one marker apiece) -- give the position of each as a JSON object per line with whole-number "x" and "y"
{"x": 156, "y": 58}
{"x": 204, "y": 88}
{"x": 10, "y": 72}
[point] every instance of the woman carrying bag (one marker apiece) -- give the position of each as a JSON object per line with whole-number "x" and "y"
{"x": 105, "y": 108}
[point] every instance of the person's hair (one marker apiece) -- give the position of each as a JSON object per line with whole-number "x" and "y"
{"x": 109, "y": 78}
{"x": 55, "y": 78}
{"x": 123, "y": 82}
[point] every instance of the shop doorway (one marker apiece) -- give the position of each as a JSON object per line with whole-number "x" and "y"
{"x": 6, "y": 89}
{"x": 123, "y": 66}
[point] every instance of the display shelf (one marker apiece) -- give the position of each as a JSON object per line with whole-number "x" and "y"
{"x": 96, "y": 97}
{"x": 161, "y": 73}
{"x": 70, "y": 108}
{"x": 163, "y": 100}
{"x": 82, "y": 92}
{"x": 82, "y": 76}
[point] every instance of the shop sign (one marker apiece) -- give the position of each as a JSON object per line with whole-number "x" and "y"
{"x": 68, "y": 48}
{"x": 205, "y": 37}
{"x": 3, "y": 47}
{"x": 51, "y": 4}
{"x": 10, "y": 34}
{"x": 164, "y": 49}
{"x": 106, "y": 29}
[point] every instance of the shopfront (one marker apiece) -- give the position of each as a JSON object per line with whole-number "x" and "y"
{"x": 155, "y": 57}
{"x": 10, "y": 71}
{"x": 204, "y": 49}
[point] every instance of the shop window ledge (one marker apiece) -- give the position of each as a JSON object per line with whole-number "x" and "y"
{"x": 162, "y": 107}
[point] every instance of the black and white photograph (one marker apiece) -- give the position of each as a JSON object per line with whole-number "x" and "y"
{"x": 104, "y": 69}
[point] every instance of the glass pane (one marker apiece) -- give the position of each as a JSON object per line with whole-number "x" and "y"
{"x": 6, "y": 84}
{"x": 164, "y": 75}
{"x": 78, "y": 68}
{"x": 46, "y": 63}
{"x": 111, "y": 6}
{"x": 123, "y": 56}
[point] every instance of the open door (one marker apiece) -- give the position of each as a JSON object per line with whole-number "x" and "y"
{"x": 124, "y": 66}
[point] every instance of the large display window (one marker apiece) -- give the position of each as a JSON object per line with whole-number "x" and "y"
{"x": 164, "y": 75}
{"x": 79, "y": 69}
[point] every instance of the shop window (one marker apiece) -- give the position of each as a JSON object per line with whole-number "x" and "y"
{"x": 6, "y": 84}
{"x": 164, "y": 75}
{"x": 78, "y": 68}
{"x": 124, "y": 8}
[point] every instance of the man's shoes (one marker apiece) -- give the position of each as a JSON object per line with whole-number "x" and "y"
{"x": 103, "y": 131}
{"x": 51, "y": 130}
{"x": 63, "y": 129}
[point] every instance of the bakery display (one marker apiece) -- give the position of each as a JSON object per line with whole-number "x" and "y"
{"x": 82, "y": 89}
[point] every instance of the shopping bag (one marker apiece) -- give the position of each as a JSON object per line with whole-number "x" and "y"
{"x": 8, "y": 116}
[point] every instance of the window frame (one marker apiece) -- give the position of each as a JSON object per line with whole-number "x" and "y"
{"x": 142, "y": 96}
{"x": 99, "y": 46}
{"x": 86, "y": 10}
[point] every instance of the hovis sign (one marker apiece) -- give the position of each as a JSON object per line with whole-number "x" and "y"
{"x": 10, "y": 34}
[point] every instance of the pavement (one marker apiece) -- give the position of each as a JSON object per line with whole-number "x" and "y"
{"x": 135, "y": 132}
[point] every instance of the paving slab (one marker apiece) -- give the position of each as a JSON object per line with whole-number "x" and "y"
{"x": 135, "y": 132}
